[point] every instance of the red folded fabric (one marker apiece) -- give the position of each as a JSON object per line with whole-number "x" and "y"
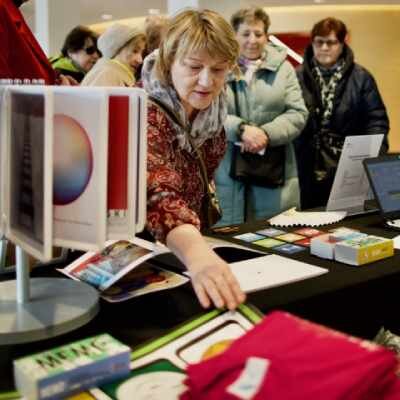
{"x": 306, "y": 361}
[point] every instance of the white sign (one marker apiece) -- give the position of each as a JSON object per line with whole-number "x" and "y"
{"x": 350, "y": 187}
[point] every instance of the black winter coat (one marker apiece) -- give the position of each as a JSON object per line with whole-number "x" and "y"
{"x": 358, "y": 110}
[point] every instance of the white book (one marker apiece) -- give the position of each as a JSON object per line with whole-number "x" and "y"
{"x": 271, "y": 271}
{"x": 127, "y": 148}
{"x": 80, "y": 167}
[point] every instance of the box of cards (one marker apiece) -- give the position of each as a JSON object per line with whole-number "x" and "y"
{"x": 363, "y": 250}
{"x": 72, "y": 368}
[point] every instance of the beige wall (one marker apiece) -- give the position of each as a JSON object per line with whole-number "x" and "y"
{"x": 375, "y": 39}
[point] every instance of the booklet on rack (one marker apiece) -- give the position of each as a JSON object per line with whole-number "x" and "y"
{"x": 73, "y": 166}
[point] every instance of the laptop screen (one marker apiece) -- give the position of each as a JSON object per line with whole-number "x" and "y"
{"x": 384, "y": 176}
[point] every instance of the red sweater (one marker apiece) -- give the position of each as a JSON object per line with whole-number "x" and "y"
{"x": 21, "y": 56}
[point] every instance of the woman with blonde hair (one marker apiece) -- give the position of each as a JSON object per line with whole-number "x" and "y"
{"x": 122, "y": 47}
{"x": 185, "y": 79}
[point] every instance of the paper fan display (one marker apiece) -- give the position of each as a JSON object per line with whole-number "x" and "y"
{"x": 307, "y": 218}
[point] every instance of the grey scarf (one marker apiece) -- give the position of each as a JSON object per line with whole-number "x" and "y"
{"x": 207, "y": 122}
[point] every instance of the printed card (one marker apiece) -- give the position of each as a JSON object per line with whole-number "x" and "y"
{"x": 271, "y": 232}
{"x": 289, "y": 237}
{"x": 289, "y": 248}
{"x": 268, "y": 243}
{"x": 249, "y": 237}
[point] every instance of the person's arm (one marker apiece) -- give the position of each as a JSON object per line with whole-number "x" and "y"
{"x": 288, "y": 125}
{"x": 170, "y": 219}
{"x": 212, "y": 279}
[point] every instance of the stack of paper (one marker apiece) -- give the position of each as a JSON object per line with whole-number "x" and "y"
{"x": 306, "y": 218}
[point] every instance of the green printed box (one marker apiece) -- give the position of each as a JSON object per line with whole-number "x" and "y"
{"x": 72, "y": 368}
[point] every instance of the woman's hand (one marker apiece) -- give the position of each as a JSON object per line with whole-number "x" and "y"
{"x": 212, "y": 279}
{"x": 254, "y": 139}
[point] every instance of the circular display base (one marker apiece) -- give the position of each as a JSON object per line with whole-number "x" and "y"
{"x": 56, "y": 306}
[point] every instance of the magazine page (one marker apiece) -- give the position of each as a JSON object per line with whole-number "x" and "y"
{"x": 144, "y": 279}
{"x": 104, "y": 268}
{"x": 29, "y": 169}
{"x": 80, "y": 167}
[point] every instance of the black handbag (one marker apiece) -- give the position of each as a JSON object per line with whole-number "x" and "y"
{"x": 267, "y": 170}
{"x": 328, "y": 148}
{"x": 211, "y": 209}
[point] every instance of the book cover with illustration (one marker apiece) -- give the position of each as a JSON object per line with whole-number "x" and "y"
{"x": 80, "y": 167}
{"x": 122, "y": 270}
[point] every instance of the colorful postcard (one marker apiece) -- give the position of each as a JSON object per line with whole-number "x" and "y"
{"x": 249, "y": 237}
{"x": 271, "y": 232}
{"x": 290, "y": 237}
{"x": 142, "y": 280}
{"x": 289, "y": 248}
{"x": 104, "y": 268}
{"x": 268, "y": 242}
{"x": 309, "y": 232}
{"x": 304, "y": 242}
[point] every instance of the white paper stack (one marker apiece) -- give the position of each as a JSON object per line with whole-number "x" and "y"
{"x": 307, "y": 218}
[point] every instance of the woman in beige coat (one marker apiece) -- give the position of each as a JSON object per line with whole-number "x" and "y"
{"x": 122, "y": 47}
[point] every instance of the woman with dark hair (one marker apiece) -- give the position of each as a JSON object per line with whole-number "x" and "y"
{"x": 78, "y": 54}
{"x": 343, "y": 99}
{"x": 122, "y": 47}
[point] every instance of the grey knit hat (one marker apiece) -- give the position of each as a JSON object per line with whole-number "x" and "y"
{"x": 115, "y": 38}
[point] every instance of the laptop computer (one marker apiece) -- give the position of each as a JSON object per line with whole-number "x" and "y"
{"x": 384, "y": 177}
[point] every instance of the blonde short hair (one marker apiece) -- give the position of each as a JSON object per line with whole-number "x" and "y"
{"x": 196, "y": 30}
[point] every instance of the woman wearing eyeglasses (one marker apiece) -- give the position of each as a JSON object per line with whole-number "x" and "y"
{"x": 343, "y": 99}
{"x": 122, "y": 47}
{"x": 78, "y": 54}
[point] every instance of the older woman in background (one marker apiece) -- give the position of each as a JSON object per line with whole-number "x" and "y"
{"x": 266, "y": 109}
{"x": 186, "y": 141}
{"x": 122, "y": 47}
{"x": 78, "y": 54}
{"x": 343, "y": 99}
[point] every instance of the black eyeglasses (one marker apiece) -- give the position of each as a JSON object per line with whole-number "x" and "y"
{"x": 321, "y": 42}
{"x": 90, "y": 50}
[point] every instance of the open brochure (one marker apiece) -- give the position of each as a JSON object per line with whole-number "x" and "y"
{"x": 121, "y": 270}
{"x": 126, "y": 269}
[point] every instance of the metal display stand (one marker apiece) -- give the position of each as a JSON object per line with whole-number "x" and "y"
{"x": 41, "y": 308}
